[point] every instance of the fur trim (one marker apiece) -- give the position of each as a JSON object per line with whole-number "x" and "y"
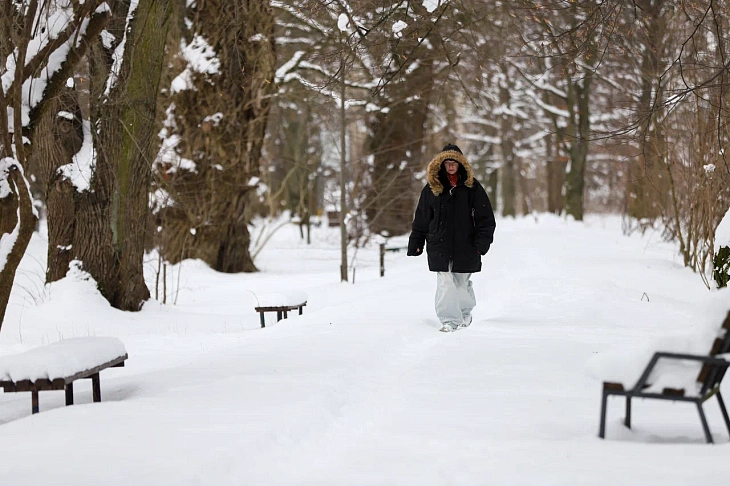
{"x": 432, "y": 173}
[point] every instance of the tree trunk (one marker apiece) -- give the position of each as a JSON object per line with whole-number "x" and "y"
{"x": 509, "y": 188}
{"x": 493, "y": 189}
{"x": 396, "y": 142}
{"x": 17, "y": 204}
{"x": 58, "y": 139}
{"x": 556, "y": 165}
{"x": 209, "y": 220}
{"x": 525, "y": 198}
{"x": 20, "y": 28}
{"x": 111, "y": 217}
{"x": 343, "y": 165}
{"x": 579, "y": 103}
{"x": 60, "y": 211}
{"x": 507, "y": 146}
{"x": 648, "y": 186}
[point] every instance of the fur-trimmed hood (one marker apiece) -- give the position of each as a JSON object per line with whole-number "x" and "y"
{"x": 434, "y": 167}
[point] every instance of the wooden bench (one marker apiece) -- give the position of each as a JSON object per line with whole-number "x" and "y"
{"x": 709, "y": 380}
{"x": 58, "y": 365}
{"x": 281, "y": 310}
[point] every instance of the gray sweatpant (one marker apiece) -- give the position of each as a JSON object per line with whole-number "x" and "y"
{"x": 454, "y": 298}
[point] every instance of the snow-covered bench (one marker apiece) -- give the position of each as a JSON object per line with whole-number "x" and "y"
{"x": 652, "y": 385}
{"x": 58, "y": 365}
{"x": 281, "y": 303}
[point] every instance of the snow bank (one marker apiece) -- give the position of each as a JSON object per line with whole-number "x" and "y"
{"x": 211, "y": 391}
{"x": 61, "y": 359}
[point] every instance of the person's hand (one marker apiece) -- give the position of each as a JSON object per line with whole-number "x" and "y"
{"x": 415, "y": 252}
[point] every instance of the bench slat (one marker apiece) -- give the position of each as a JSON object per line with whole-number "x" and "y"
{"x": 279, "y": 308}
{"x": 59, "y": 383}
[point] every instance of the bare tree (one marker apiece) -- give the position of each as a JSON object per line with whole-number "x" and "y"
{"x": 60, "y": 33}
{"x": 217, "y": 118}
{"x": 103, "y": 198}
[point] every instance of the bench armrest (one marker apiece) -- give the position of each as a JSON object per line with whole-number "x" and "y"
{"x": 711, "y": 360}
{"x": 693, "y": 357}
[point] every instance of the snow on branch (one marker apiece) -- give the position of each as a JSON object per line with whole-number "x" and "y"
{"x": 480, "y": 120}
{"x": 80, "y": 169}
{"x": 118, "y": 54}
{"x": 57, "y": 37}
{"x": 478, "y": 137}
{"x": 297, "y": 14}
{"x": 431, "y": 5}
{"x": 284, "y": 72}
{"x": 9, "y": 186}
{"x": 8, "y": 165}
{"x": 201, "y": 58}
{"x": 5, "y": 166}
{"x": 554, "y": 110}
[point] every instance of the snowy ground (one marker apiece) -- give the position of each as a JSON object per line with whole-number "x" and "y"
{"x": 363, "y": 389}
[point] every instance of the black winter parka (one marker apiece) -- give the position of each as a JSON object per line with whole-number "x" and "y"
{"x": 456, "y": 223}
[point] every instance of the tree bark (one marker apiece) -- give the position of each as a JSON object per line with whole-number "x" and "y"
{"x": 57, "y": 140}
{"x": 556, "y": 165}
{"x": 507, "y": 146}
{"x": 18, "y": 204}
{"x": 579, "y": 104}
{"x": 343, "y": 165}
{"x": 111, "y": 218}
{"x": 396, "y": 143}
{"x": 508, "y": 178}
{"x": 19, "y": 30}
{"x": 211, "y": 200}
{"x": 648, "y": 186}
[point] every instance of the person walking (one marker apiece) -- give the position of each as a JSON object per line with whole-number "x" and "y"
{"x": 455, "y": 222}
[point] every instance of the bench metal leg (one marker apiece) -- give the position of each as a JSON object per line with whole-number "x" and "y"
{"x": 604, "y": 403}
{"x": 278, "y": 316}
{"x": 34, "y": 401}
{"x": 301, "y": 307}
{"x": 708, "y": 436}
{"x": 263, "y": 320}
{"x": 627, "y": 420}
{"x": 286, "y": 314}
{"x": 69, "y": 394}
{"x": 724, "y": 411}
{"x": 96, "y": 387}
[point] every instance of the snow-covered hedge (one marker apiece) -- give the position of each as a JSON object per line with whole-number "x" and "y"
{"x": 721, "y": 261}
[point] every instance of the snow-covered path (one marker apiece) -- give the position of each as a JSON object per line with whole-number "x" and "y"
{"x": 362, "y": 389}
